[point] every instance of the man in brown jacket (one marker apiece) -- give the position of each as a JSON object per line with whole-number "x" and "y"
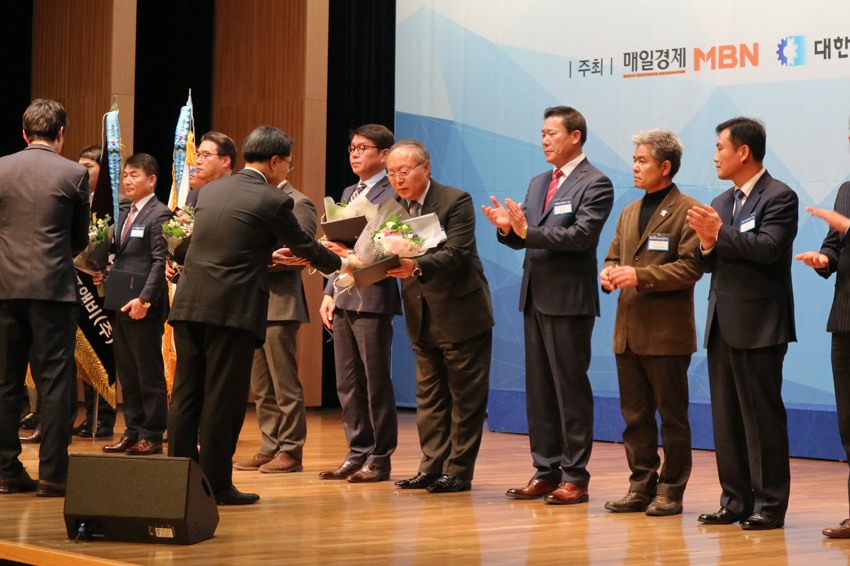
{"x": 651, "y": 261}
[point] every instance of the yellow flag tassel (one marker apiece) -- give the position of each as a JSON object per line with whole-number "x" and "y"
{"x": 90, "y": 369}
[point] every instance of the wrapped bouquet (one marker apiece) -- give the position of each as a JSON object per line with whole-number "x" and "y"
{"x": 177, "y": 233}
{"x": 342, "y": 210}
{"x": 96, "y": 255}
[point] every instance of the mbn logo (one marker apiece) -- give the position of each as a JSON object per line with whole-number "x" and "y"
{"x": 727, "y": 56}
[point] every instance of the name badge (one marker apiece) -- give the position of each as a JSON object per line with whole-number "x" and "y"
{"x": 137, "y": 232}
{"x": 748, "y": 223}
{"x": 659, "y": 242}
{"x": 563, "y": 207}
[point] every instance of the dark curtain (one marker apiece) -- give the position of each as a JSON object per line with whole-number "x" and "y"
{"x": 174, "y": 53}
{"x": 16, "y": 53}
{"x": 361, "y": 90}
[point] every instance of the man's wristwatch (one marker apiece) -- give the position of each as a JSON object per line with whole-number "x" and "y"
{"x": 145, "y": 304}
{"x": 417, "y": 271}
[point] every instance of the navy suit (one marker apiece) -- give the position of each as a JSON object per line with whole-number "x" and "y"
{"x": 750, "y": 322}
{"x": 363, "y": 336}
{"x": 560, "y": 300}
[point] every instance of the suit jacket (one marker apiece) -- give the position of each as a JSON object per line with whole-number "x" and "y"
{"x": 238, "y": 222}
{"x": 560, "y": 267}
{"x": 44, "y": 222}
{"x": 452, "y": 281}
{"x": 835, "y": 248}
{"x": 656, "y": 318}
{"x": 144, "y": 255}
{"x": 751, "y": 293}
{"x": 383, "y": 296}
{"x": 287, "y": 301}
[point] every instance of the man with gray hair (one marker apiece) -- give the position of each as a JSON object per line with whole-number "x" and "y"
{"x": 651, "y": 261}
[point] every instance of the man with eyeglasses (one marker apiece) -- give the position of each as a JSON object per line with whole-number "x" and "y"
{"x": 362, "y": 324}
{"x": 216, "y": 158}
{"x": 559, "y": 226}
{"x": 450, "y": 323}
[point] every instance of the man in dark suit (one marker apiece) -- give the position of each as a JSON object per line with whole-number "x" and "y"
{"x": 450, "y": 322}
{"x": 746, "y": 236}
{"x": 221, "y": 304}
{"x": 216, "y": 158}
{"x": 278, "y": 394}
{"x": 138, "y": 326}
{"x": 651, "y": 261}
{"x": 44, "y": 218}
{"x": 362, "y": 324}
{"x": 559, "y": 225}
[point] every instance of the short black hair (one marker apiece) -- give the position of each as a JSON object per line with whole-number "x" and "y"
{"x": 572, "y": 119}
{"x": 225, "y": 145}
{"x": 749, "y": 132}
{"x": 43, "y": 119}
{"x": 379, "y": 135}
{"x": 145, "y": 162}
{"x": 264, "y": 143}
{"x": 92, "y": 152}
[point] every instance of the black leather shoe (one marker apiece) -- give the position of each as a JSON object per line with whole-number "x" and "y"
{"x": 102, "y": 432}
{"x": 232, "y": 496}
{"x": 419, "y": 481}
{"x": 77, "y": 430}
{"x": 449, "y": 484}
{"x": 722, "y": 517}
{"x": 18, "y": 484}
{"x": 29, "y": 421}
{"x": 762, "y": 522}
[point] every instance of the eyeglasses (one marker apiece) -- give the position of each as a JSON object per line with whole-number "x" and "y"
{"x": 291, "y": 166}
{"x": 205, "y": 155}
{"x": 360, "y": 148}
{"x": 403, "y": 173}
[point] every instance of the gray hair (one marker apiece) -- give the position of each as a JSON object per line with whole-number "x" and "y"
{"x": 664, "y": 145}
{"x": 421, "y": 152}
{"x": 264, "y": 143}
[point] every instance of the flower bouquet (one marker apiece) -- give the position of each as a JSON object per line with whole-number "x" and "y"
{"x": 177, "y": 233}
{"x": 96, "y": 255}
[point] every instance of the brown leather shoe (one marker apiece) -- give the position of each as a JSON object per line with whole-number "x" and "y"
{"x": 121, "y": 446}
{"x": 18, "y": 484}
{"x": 534, "y": 490}
{"x": 51, "y": 489}
{"x": 663, "y": 506}
{"x": 633, "y": 502}
{"x": 346, "y": 469}
{"x": 254, "y": 463}
{"x": 34, "y": 438}
{"x": 369, "y": 474}
{"x": 283, "y": 463}
{"x": 567, "y": 493}
{"x": 144, "y": 448}
{"x": 841, "y": 531}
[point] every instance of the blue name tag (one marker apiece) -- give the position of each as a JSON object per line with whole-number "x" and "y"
{"x": 137, "y": 232}
{"x": 748, "y": 223}
{"x": 659, "y": 242}
{"x": 563, "y": 207}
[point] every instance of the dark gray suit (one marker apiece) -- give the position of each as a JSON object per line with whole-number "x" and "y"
{"x": 278, "y": 394}
{"x": 363, "y": 335}
{"x": 559, "y": 298}
{"x": 44, "y": 218}
{"x": 220, "y": 310}
{"x": 138, "y": 343}
{"x": 750, "y": 322}
{"x": 450, "y": 320}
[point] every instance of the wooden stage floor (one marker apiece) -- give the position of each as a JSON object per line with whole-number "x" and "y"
{"x": 303, "y": 520}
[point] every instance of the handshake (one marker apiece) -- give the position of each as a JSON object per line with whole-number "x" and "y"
{"x": 284, "y": 256}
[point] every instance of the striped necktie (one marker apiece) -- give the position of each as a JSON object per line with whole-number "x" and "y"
{"x": 361, "y": 186}
{"x": 128, "y": 223}
{"x": 553, "y": 187}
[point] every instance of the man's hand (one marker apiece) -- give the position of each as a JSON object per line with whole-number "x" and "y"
{"x": 326, "y": 311}
{"x": 813, "y": 259}
{"x": 605, "y": 279}
{"x": 834, "y": 219}
{"x": 137, "y": 311}
{"x": 518, "y": 221}
{"x": 354, "y": 263}
{"x": 170, "y": 270}
{"x": 286, "y": 257}
{"x": 706, "y": 222}
{"x": 623, "y": 276}
{"x": 97, "y": 277}
{"x": 403, "y": 271}
{"x": 337, "y": 248}
{"x": 498, "y": 216}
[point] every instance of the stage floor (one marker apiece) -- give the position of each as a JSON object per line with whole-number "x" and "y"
{"x": 303, "y": 520}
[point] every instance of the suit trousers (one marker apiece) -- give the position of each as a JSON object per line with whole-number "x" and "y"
{"x": 363, "y": 353}
{"x": 49, "y": 329}
{"x": 73, "y": 402}
{"x": 452, "y": 387}
{"x": 210, "y": 394}
{"x": 278, "y": 395}
{"x": 841, "y": 377}
{"x": 559, "y": 399}
{"x": 141, "y": 371}
{"x": 750, "y": 426}
{"x": 647, "y": 384}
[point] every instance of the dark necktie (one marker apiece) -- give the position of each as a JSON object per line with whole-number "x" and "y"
{"x": 553, "y": 187}
{"x": 739, "y": 206}
{"x": 361, "y": 186}
{"x": 128, "y": 223}
{"x": 415, "y": 208}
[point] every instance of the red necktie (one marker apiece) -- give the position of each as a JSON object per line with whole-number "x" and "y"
{"x": 553, "y": 187}
{"x": 128, "y": 223}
